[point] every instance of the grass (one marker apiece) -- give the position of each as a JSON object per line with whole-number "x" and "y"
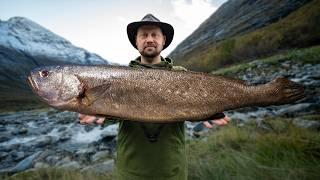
{"x": 61, "y": 174}
{"x": 286, "y": 152}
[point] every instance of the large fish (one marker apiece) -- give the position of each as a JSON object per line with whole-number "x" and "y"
{"x": 153, "y": 95}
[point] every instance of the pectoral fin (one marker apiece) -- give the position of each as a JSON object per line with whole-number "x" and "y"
{"x": 95, "y": 93}
{"x": 90, "y": 95}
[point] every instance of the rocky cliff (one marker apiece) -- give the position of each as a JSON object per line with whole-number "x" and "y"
{"x": 234, "y": 18}
{"x": 24, "y": 45}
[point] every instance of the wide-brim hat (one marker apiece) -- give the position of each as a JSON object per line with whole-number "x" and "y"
{"x": 150, "y": 19}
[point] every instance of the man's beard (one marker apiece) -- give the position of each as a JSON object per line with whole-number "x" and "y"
{"x": 152, "y": 54}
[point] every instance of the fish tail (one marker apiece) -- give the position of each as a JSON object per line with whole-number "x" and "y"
{"x": 286, "y": 91}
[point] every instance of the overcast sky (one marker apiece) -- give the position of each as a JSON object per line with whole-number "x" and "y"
{"x": 100, "y": 25}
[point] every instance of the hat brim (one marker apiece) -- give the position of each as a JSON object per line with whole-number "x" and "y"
{"x": 166, "y": 28}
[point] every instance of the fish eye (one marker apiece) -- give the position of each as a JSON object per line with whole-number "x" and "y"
{"x": 44, "y": 73}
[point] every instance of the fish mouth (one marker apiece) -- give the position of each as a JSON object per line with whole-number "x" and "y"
{"x": 33, "y": 84}
{"x": 45, "y": 97}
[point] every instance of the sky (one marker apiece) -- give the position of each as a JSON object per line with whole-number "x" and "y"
{"x": 99, "y": 26}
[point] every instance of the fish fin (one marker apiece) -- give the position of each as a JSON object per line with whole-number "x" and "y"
{"x": 93, "y": 94}
{"x": 90, "y": 95}
{"x": 79, "y": 78}
{"x": 287, "y": 91}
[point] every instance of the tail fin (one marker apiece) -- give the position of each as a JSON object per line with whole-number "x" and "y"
{"x": 287, "y": 91}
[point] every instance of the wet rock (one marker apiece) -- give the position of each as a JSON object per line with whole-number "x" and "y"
{"x": 99, "y": 155}
{"x": 64, "y": 136}
{"x": 110, "y": 131}
{"x": 23, "y": 130}
{"x": 89, "y": 150}
{"x": 200, "y": 133}
{"x": 14, "y": 131}
{"x": 9, "y": 121}
{"x": 17, "y": 155}
{"x": 84, "y": 155}
{"x": 71, "y": 165}
{"x": 40, "y": 165}
{"x": 89, "y": 128}
{"x": 12, "y": 146}
{"x": 100, "y": 168}
{"x": 3, "y": 154}
{"x": 2, "y": 128}
{"x": 5, "y": 148}
{"x": 44, "y": 129}
{"x": 44, "y": 155}
{"x": 65, "y": 160}
{"x": 291, "y": 110}
{"x": 240, "y": 116}
{"x": 198, "y": 127}
{"x": 63, "y": 120}
{"x": 27, "y": 163}
{"x": 63, "y": 128}
{"x": 103, "y": 147}
{"x": 53, "y": 159}
{"x": 257, "y": 80}
{"x": 42, "y": 141}
{"x": 71, "y": 147}
{"x": 4, "y": 137}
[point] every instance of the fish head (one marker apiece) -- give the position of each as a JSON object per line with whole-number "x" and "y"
{"x": 56, "y": 85}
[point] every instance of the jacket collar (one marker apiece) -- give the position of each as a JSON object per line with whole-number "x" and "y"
{"x": 165, "y": 63}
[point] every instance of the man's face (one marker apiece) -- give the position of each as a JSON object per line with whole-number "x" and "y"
{"x": 150, "y": 41}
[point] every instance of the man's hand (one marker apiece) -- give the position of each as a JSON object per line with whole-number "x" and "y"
{"x": 220, "y": 122}
{"x": 88, "y": 119}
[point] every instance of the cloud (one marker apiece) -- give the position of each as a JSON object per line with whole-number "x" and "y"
{"x": 193, "y": 12}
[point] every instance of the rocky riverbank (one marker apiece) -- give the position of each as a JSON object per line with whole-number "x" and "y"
{"x": 49, "y": 138}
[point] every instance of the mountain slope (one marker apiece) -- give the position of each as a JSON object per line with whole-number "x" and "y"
{"x": 234, "y": 18}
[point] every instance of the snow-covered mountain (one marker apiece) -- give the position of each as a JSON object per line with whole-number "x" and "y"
{"x": 25, "y": 45}
{"x": 25, "y": 35}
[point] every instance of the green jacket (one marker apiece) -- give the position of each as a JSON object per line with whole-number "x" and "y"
{"x": 150, "y": 151}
